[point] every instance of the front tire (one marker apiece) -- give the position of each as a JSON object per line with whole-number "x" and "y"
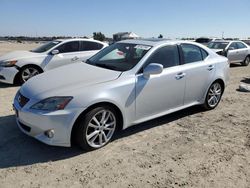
{"x": 213, "y": 96}
{"x": 96, "y": 128}
{"x": 27, "y": 72}
{"x": 246, "y": 62}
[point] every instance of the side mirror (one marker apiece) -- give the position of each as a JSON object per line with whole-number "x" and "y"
{"x": 54, "y": 52}
{"x": 231, "y": 48}
{"x": 152, "y": 68}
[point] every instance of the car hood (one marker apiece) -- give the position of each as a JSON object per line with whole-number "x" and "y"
{"x": 66, "y": 79}
{"x": 17, "y": 55}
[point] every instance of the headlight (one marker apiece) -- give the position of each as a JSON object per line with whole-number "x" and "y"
{"x": 8, "y": 63}
{"x": 52, "y": 103}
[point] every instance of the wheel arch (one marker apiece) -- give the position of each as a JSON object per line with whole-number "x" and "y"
{"x": 28, "y": 65}
{"x": 221, "y": 81}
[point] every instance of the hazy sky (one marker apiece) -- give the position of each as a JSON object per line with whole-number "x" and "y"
{"x": 147, "y": 18}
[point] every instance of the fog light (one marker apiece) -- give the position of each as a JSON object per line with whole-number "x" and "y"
{"x": 49, "y": 133}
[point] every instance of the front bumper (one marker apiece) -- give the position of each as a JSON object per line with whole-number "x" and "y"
{"x": 7, "y": 74}
{"x": 36, "y": 123}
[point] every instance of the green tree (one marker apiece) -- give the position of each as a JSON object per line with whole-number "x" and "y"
{"x": 99, "y": 36}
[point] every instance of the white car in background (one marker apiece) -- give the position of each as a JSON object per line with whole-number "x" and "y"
{"x": 19, "y": 66}
{"x": 235, "y": 51}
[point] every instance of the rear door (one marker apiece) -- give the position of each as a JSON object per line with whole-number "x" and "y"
{"x": 68, "y": 54}
{"x": 199, "y": 72}
{"x": 88, "y": 49}
{"x": 243, "y": 51}
{"x": 233, "y": 54}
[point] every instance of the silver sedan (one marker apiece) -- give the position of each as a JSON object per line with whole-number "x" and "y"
{"x": 125, "y": 84}
{"x": 235, "y": 51}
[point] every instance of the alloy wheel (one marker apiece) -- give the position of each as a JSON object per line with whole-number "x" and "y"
{"x": 214, "y": 95}
{"x": 28, "y": 73}
{"x": 100, "y": 128}
{"x": 247, "y": 60}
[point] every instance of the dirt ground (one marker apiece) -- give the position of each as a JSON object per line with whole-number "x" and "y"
{"x": 190, "y": 148}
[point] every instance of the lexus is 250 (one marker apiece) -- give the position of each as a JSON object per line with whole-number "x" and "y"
{"x": 124, "y": 84}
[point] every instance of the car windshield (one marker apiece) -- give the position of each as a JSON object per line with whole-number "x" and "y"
{"x": 217, "y": 45}
{"x": 45, "y": 47}
{"x": 119, "y": 56}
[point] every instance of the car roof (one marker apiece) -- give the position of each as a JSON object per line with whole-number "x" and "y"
{"x": 228, "y": 41}
{"x": 155, "y": 42}
{"x": 77, "y": 39}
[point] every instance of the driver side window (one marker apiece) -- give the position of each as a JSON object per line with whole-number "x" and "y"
{"x": 69, "y": 47}
{"x": 168, "y": 56}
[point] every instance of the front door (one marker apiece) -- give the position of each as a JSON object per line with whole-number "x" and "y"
{"x": 159, "y": 93}
{"x": 68, "y": 54}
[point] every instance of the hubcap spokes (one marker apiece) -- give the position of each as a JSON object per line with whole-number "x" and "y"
{"x": 248, "y": 59}
{"x": 29, "y": 73}
{"x": 100, "y": 128}
{"x": 214, "y": 95}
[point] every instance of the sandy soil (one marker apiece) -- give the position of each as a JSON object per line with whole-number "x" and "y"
{"x": 190, "y": 148}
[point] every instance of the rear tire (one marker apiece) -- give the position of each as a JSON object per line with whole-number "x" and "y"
{"x": 246, "y": 61}
{"x": 213, "y": 96}
{"x": 96, "y": 128}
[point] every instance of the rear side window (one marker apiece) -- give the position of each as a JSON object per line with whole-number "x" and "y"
{"x": 192, "y": 53}
{"x": 69, "y": 47}
{"x": 240, "y": 45}
{"x": 88, "y": 46}
{"x": 168, "y": 56}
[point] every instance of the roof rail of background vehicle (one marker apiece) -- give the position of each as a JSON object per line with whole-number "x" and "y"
{"x": 75, "y": 39}
{"x": 153, "y": 41}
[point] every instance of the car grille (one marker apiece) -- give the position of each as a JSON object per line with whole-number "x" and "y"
{"x": 22, "y": 100}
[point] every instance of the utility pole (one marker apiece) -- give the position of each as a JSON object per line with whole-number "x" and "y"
{"x": 222, "y": 36}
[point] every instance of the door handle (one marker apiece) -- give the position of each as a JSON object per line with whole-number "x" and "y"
{"x": 180, "y": 75}
{"x": 210, "y": 67}
{"x": 75, "y": 58}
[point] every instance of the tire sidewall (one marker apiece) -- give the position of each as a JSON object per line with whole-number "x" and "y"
{"x": 245, "y": 62}
{"x": 206, "y": 105}
{"x": 20, "y": 79}
{"x": 83, "y": 123}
